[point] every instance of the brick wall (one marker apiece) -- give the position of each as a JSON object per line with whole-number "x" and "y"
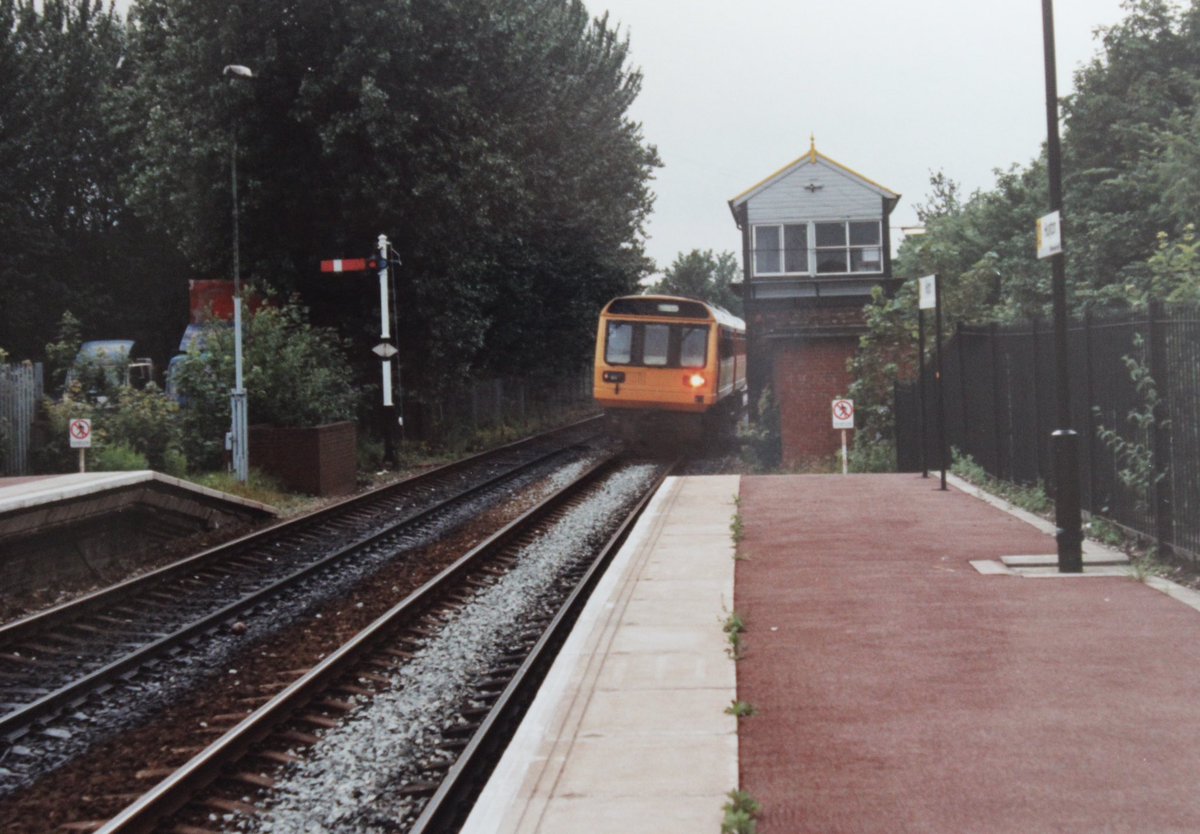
{"x": 318, "y": 461}
{"x": 808, "y": 376}
{"x": 800, "y": 348}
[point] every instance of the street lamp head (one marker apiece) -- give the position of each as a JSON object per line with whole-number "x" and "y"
{"x": 237, "y": 71}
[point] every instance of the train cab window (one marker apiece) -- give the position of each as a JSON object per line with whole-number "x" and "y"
{"x": 657, "y": 346}
{"x": 692, "y": 347}
{"x": 618, "y": 346}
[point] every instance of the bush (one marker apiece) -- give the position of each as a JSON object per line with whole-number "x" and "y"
{"x": 878, "y": 455}
{"x": 143, "y": 422}
{"x": 116, "y": 458}
{"x": 296, "y": 375}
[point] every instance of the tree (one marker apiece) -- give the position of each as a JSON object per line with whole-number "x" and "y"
{"x": 703, "y": 275}
{"x": 61, "y": 207}
{"x": 488, "y": 138}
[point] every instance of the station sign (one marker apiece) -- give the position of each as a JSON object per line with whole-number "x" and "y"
{"x": 1049, "y": 235}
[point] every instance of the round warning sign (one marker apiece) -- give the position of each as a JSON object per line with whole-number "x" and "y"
{"x": 80, "y": 432}
{"x": 843, "y": 414}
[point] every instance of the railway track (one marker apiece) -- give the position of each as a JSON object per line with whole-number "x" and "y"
{"x": 56, "y": 666}
{"x": 398, "y": 728}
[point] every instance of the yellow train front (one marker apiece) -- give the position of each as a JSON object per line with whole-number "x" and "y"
{"x": 669, "y": 369}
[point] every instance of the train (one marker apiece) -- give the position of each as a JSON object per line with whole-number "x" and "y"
{"x": 669, "y": 370}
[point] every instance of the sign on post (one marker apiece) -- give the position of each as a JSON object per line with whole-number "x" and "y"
{"x": 843, "y": 418}
{"x": 79, "y": 432}
{"x": 1049, "y": 235}
{"x": 843, "y": 414}
{"x": 927, "y": 292}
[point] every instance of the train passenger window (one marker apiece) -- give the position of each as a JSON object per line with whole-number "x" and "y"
{"x": 692, "y": 347}
{"x": 618, "y": 346}
{"x": 657, "y": 345}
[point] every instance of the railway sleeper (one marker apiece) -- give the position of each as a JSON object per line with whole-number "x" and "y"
{"x": 256, "y": 780}
{"x": 231, "y": 806}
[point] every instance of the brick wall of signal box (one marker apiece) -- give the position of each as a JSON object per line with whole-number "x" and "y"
{"x": 808, "y": 375}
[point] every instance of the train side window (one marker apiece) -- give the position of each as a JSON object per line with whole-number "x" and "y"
{"x": 657, "y": 345}
{"x": 618, "y": 346}
{"x": 692, "y": 347}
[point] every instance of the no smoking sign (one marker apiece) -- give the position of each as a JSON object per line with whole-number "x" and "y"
{"x": 843, "y": 414}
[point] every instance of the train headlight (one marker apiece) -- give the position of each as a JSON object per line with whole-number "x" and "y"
{"x": 695, "y": 380}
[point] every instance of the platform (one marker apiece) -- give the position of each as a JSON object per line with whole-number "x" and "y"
{"x": 59, "y": 527}
{"x": 629, "y": 733}
{"x": 898, "y": 688}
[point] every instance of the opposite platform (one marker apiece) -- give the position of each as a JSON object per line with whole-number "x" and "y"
{"x": 629, "y": 734}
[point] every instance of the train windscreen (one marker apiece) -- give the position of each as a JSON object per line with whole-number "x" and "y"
{"x": 654, "y": 345}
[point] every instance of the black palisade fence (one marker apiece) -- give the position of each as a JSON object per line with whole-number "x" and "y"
{"x": 1135, "y": 398}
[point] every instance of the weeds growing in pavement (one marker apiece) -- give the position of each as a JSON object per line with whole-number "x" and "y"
{"x": 1029, "y": 497}
{"x": 741, "y": 709}
{"x": 740, "y": 813}
{"x": 733, "y": 628}
{"x": 736, "y": 529}
{"x": 1145, "y": 564}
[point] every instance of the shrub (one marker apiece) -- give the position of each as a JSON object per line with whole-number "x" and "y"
{"x": 295, "y": 375}
{"x": 116, "y": 458}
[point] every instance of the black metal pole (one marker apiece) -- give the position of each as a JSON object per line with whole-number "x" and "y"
{"x": 921, "y": 391}
{"x": 941, "y": 395}
{"x": 1064, "y": 440}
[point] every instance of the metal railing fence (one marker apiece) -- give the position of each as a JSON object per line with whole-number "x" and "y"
{"x": 999, "y": 405}
{"x": 20, "y": 395}
{"x": 474, "y": 406}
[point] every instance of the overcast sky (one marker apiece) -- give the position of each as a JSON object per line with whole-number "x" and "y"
{"x": 733, "y": 90}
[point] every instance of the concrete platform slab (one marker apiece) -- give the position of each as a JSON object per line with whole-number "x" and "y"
{"x": 66, "y": 527}
{"x": 628, "y": 733}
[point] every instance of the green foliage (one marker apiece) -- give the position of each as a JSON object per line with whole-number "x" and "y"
{"x": 737, "y": 529}
{"x": 1029, "y": 497}
{"x": 490, "y": 139}
{"x": 115, "y": 457}
{"x": 131, "y": 426}
{"x": 741, "y": 709}
{"x": 872, "y": 455}
{"x": 295, "y": 375}
{"x": 741, "y": 812}
{"x": 734, "y": 626}
{"x": 761, "y": 441}
{"x": 60, "y": 354}
{"x": 1134, "y": 456}
{"x": 703, "y": 275}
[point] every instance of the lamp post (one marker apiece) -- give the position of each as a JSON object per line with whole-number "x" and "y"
{"x": 1064, "y": 440}
{"x": 237, "y": 398}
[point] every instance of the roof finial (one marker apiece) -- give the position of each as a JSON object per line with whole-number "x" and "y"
{"x": 812, "y": 147}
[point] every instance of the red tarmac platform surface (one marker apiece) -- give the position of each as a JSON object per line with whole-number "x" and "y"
{"x": 899, "y": 690}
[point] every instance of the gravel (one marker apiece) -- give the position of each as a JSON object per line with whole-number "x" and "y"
{"x": 352, "y": 780}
